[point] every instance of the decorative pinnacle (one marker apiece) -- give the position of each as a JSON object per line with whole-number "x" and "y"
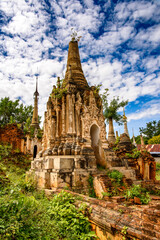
{"x": 74, "y": 36}
{"x": 36, "y": 92}
{"x": 124, "y": 116}
{"x": 58, "y": 82}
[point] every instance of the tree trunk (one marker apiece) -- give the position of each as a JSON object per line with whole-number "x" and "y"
{"x": 111, "y": 135}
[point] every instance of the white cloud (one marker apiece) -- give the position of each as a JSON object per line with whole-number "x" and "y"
{"x": 151, "y": 111}
{"x": 33, "y": 34}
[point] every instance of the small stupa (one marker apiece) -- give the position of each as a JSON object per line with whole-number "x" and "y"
{"x": 125, "y": 123}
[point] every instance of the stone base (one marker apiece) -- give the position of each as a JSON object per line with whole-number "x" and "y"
{"x": 63, "y": 171}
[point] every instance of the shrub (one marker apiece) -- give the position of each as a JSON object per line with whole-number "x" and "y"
{"x": 91, "y": 188}
{"x": 154, "y": 140}
{"x": 135, "y": 154}
{"x": 116, "y": 175}
{"x": 138, "y": 191}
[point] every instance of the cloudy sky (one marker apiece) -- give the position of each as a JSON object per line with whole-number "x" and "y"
{"x": 119, "y": 48}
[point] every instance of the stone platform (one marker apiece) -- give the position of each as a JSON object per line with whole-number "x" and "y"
{"x": 62, "y": 171}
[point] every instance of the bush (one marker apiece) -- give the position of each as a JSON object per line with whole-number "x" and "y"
{"x": 25, "y": 217}
{"x": 116, "y": 175}
{"x": 138, "y": 191}
{"x": 135, "y": 154}
{"x": 154, "y": 140}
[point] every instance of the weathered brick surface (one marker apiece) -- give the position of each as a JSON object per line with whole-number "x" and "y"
{"x": 12, "y": 135}
{"x": 142, "y": 221}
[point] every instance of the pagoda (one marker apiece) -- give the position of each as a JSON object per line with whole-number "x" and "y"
{"x": 74, "y": 132}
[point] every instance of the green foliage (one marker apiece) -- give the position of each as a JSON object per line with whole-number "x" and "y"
{"x": 100, "y": 167}
{"x": 138, "y": 191}
{"x": 158, "y": 171}
{"x": 59, "y": 91}
{"x": 91, "y": 188}
{"x": 124, "y": 232}
{"x": 28, "y": 217}
{"x": 69, "y": 221}
{"x": 13, "y": 111}
{"x": 152, "y": 129}
{"x": 136, "y": 154}
{"x": 97, "y": 89}
{"x": 108, "y": 194}
{"x": 117, "y": 140}
{"x": 111, "y": 111}
{"x": 154, "y": 140}
{"x": 116, "y": 175}
{"x": 26, "y": 213}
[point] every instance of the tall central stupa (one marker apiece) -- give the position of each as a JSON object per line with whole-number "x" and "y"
{"x": 74, "y": 138}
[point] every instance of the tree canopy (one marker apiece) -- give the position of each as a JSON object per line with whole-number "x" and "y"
{"x": 154, "y": 140}
{"x": 14, "y": 112}
{"x": 152, "y": 129}
{"x": 111, "y": 110}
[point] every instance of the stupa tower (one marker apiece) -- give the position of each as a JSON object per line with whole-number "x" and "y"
{"x": 125, "y": 123}
{"x": 35, "y": 122}
{"x": 74, "y": 132}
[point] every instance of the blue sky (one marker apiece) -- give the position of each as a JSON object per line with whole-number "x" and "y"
{"x": 119, "y": 48}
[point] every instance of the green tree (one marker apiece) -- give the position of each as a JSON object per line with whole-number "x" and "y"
{"x": 111, "y": 113}
{"x": 154, "y": 140}
{"x": 152, "y": 129}
{"x": 14, "y": 112}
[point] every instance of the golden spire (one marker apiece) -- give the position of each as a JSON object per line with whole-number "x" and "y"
{"x": 124, "y": 116}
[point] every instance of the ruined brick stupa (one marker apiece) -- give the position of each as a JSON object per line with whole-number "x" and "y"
{"x": 74, "y": 138}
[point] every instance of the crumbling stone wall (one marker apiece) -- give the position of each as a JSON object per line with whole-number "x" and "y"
{"x": 11, "y": 134}
{"x": 115, "y": 221}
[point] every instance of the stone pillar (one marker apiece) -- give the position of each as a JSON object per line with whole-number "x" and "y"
{"x": 78, "y": 120}
{"x": 63, "y": 116}
{"x": 69, "y": 115}
{"x": 73, "y": 113}
{"x": 126, "y": 128}
{"x": 57, "y": 122}
{"x": 111, "y": 135}
{"x": 146, "y": 171}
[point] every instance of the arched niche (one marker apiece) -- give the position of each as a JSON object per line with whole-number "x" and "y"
{"x": 94, "y": 133}
{"x": 34, "y": 151}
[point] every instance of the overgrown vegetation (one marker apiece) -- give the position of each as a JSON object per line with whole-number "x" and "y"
{"x": 91, "y": 188}
{"x": 158, "y": 171}
{"x": 118, "y": 187}
{"x": 135, "y": 154}
{"x": 26, "y": 213}
{"x": 138, "y": 191}
{"x": 59, "y": 90}
{"x": 115, "y": 175}
{"x": 14, "y": 112}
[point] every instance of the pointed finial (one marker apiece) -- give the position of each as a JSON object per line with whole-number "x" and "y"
{"x": 74, "y": 36}
{"x": 58, "y": 82}
{"x": 36, "y": 92}
{"x": 37, "y": 83}
{"x": 142, "y": 143}
{"x": 124, "y": 116}
{"x": 134, "y": 140}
